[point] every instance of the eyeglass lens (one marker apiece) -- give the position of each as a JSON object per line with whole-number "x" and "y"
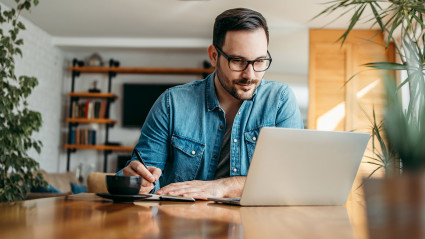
{"x": 242, "y": 64}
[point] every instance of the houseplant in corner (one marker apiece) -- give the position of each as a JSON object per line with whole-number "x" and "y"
{"x": 395, "y": 204}
{"x": 18, "y": 171}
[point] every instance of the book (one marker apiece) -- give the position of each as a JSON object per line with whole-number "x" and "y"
{"x": 89, "y": 109}
{"x": 74, "y": 112}
{"x": 86, "y": 110}
{"x": 102, "y": 111}
{"x": 72, "y": 136}
{"x": 97, "y": 105}
{"x": 93, "y": 138}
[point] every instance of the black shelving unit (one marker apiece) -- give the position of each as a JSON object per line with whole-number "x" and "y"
{"x": 109, "y": 100}
{"x": 78, "y": 68}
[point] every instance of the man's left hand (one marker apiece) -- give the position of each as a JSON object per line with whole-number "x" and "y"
{"x": 225, "y": 187}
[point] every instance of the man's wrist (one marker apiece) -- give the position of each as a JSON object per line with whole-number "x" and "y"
{"x": 232, "y": 186}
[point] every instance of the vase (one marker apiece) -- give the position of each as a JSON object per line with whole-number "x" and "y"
{"x": 395, "y": 206}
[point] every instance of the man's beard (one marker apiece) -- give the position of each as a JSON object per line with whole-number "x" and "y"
{"x": 232, "y": 90}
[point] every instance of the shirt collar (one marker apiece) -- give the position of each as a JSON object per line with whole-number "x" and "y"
{"x": 211, "y": 96}
{"x": 256, "y": 90}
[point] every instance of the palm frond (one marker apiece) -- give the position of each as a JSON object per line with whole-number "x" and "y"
{"x": 377, "y": 16}
{"x": 354, "y": 19}
{"x": 386, "y": 66}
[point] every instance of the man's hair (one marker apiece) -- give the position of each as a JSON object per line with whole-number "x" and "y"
{"x": 237, "y": 19}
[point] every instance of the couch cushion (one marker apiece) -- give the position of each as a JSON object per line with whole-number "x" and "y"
{"x": 77, "y": 188}
{"x": 48, "y": 189}
{"x": 60, "y": 181}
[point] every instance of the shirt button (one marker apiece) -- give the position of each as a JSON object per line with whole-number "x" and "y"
{"x": 219, "y": 109}
{"x": 215, "y": 156}
{"x": 221, "y": 127}
{"x": 235, "y": 140}
{"x": 193, "y": 152}
{"x": 253, "y": 138}
{"x": 235, "y": 170}
{"x": 239, "y": 113}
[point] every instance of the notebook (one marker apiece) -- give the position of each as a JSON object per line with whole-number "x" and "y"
{"x": 301, "y": 167}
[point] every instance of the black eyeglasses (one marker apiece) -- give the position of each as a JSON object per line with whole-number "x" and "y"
{"x": 240, "y": 63}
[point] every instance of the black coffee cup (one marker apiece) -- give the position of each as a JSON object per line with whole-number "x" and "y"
{"x": 123, "y": 185}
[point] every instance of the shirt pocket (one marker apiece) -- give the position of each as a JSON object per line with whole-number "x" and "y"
{"x": 251, "y": 138}
{"x": 187, "y": 158}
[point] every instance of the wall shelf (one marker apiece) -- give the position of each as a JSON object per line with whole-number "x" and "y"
{"x": 91, "y": 95}
{"x": 89, "y": 121}
{"x": 99, "y": 147}
{"x": 141, "y": 70}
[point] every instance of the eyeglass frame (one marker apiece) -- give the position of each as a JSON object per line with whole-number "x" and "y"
{"x": 228, "y": 58}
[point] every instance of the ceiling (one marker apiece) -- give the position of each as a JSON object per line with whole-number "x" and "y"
{"x": 165, "y": 18}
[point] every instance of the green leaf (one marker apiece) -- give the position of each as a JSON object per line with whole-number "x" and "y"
{"x": 21, "y": 25}
{"x": 21, "y": 7}
{"x": 354, "y": 19}
{"x": 396, "y": 22}
{"x": 19, "y": 42}
{"x": 12, "y": 35}
{"x": 403, "y": 83}
{"x": 18, "y": 51}
{"x": 27, "y": 5}
{"x": 386, "y": 66}
{"x": 377, "y": 16}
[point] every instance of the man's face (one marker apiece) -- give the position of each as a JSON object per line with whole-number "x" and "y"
{"x": 250, "y": 45}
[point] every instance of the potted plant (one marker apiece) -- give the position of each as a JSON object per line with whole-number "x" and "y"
{"x": 394, "y": 204}
{"x": 18, "y": 171}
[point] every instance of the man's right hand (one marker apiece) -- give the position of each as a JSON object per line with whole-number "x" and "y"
{"x": 135, "y": 168}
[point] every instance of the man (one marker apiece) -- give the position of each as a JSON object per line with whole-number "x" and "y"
{"x": 198, "y": 138}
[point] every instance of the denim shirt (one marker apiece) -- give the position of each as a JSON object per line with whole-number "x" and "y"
{"x": 183, "y": 131}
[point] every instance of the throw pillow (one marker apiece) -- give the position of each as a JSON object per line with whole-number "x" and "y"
{"x": 49, "y": 189}
{"x": 75, "y": 188}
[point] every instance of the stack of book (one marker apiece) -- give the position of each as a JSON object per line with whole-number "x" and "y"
{"x": 89, "y": 109}
{"x": 83, "y": 136}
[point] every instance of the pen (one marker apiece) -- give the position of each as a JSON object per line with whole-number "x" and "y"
{"x": 141, "y": 160}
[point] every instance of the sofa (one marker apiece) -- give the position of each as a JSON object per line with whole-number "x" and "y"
{"x": 57, "y": 182}
{"x": 67, "y": 183}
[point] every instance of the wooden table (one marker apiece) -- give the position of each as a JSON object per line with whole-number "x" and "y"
{"x": 89, "y": 216}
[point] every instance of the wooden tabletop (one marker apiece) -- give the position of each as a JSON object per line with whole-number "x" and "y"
{"x": 89, "y": 216}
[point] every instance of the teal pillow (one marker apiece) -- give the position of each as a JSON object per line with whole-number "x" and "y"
{"x": 75, "y": 188}
{"x": 48, "y": 189}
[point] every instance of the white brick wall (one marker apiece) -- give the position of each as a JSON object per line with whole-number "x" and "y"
{"x": 44, "y": 61}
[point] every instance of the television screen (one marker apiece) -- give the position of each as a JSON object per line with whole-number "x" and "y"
{"x": 138, "y": 100}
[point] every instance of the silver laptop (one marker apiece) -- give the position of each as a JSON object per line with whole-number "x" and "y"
{"x": 301, "y": 167}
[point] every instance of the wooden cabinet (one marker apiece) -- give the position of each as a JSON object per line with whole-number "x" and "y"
{"x": 114, "y": 69}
